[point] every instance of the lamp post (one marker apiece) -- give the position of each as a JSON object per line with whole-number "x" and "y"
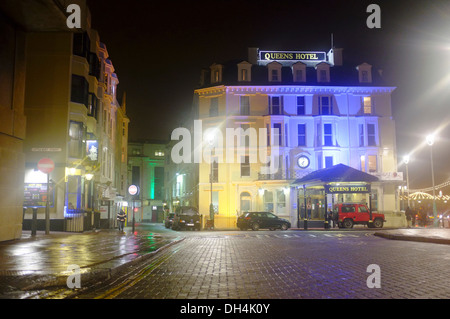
{"x": 406, "y": 160}
{"x": 430, "y": 141}
{"x": 210, "y": 139}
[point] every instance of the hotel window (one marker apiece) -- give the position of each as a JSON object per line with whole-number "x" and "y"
{"x": 328, "y": 161}
{"x": 361, "y": 134}
{"x": 318, "y": 135}
{"x": 274, "y": 75}
{"x": 363, "y": 163}
{"x": 79, "y": 90}
{"x": 300, "y": 105}
{"x": 244, "y": 75}
{"x": 268, "y": 201}
{"x": 275, "y": 105}
{"x": 281, "y": 201}
{"x": 301, "y": 134}
{"x": 371, "y": 138}
{"x": 323, "y": 76}
{"x": 93, "y": 103}
{"x": 299, "y": 75}
{"x": 327, "y": 135}
{"x": 245, "y": 138}
{"x": 245, "y": 166}
{"x": 325, "y": 105}
{"x": 367, "y": 104}
{"x": 277, "y": 133}
{"x": 372, "y": 164}
{"x": 245, "y": 105}
{"x": 214, "y": 107}
{"x": 76, "y": 139}
{"x": 364, "y": 76}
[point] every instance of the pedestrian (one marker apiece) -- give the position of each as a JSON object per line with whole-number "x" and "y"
{"x": 330, "y": 218}
{"x": 121, "y": 217}
{"x": 309, "y": 211}
{"x": 408, "y": 214}
{"x": 335, "y": 217}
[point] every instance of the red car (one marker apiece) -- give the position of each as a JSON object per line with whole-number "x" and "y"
{"x": 351, "y": 214}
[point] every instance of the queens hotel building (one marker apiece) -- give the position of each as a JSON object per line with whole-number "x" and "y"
{"x": 325, "y": 113}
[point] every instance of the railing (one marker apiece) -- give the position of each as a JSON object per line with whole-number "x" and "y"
{"x": 283, "y": 175}
{"x": 79, "y": 220}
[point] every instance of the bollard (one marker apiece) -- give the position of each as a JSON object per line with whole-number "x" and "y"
{"x": 34, "y": 222}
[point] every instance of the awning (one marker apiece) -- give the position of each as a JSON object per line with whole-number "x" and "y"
{"x": 337, "y": 173}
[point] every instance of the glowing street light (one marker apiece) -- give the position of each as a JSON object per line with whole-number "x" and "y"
{"x": 406, "y": 159}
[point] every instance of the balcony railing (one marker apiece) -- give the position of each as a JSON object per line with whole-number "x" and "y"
{"x": 283, "y": 175}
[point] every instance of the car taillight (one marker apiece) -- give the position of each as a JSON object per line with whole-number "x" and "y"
{"x": 247, "y": 218}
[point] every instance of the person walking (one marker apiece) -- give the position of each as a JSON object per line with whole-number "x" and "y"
{"x": 121, "y": 217}
{"x": 330, "y": 218}
{"x": 335, "y": 217}
{"x": 408, "y": 214}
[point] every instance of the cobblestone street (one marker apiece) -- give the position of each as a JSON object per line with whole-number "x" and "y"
{"x": 287, "y": 265}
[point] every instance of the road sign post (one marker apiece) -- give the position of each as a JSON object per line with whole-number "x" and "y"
{"x": 133, "y": 190}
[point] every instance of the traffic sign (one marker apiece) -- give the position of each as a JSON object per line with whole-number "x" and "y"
{"x": 46, "y": 165}
{"x": 133, "y": 190}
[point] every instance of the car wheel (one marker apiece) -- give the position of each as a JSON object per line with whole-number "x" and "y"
{"x": 255, "y": 226}
{"x": 348, "y": 223}
{"x": 284, "y": 226}
{"x": 378, "y": 223}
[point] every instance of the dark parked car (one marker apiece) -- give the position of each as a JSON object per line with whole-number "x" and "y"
{"x": 169, "y": 219}
{"x": 186, "y": 217}
{"x": 257, "y": 220}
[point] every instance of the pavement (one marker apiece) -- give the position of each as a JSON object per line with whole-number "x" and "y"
{"x": 34, "y": 263}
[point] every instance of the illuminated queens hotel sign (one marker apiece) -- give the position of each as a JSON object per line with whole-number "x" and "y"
{"x": 291, "y": 56}
{"x": 315, "y": 117}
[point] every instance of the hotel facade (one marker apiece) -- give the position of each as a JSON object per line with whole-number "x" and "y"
{"x": 316, "y": 110}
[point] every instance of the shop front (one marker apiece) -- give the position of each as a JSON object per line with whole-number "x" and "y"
{"x": 320, "y": 190}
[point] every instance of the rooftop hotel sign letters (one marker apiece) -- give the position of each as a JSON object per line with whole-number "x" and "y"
{"x": 292, "y": 56}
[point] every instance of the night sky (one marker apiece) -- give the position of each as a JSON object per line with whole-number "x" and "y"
{"x": 159, "y": 47}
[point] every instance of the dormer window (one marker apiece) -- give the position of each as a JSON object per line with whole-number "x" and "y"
{"x": 216, "y": 73}
{"x": 244, "y": 71}
{"x": 299, "y": 72}
{"x": 274, "y": 75}
{"x": 323, "y": 72}
{"x": 274, "y": 72}
{"x": 364, "y": 73}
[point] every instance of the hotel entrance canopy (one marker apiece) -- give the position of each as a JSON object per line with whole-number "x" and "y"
{"x": 336, "y": 174}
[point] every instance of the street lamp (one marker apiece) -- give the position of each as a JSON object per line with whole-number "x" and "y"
{"x": 430, "y": 141}
{"x": 210, "y": 139}
{"x": 406, "y": 159}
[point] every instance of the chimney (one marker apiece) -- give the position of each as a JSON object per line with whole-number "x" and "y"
{"x": 335, "y": 56}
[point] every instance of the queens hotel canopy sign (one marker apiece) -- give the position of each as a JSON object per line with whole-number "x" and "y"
{"x": 291, "y": 57}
